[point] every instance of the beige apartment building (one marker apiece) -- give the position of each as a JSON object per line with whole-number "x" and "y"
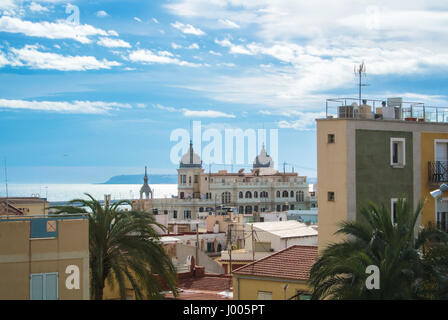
{"x": 44, "y": 257}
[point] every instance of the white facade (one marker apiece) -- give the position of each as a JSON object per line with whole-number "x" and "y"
{"x": 263, "y": 189}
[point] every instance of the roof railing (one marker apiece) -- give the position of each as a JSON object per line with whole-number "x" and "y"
{"x": 389, "y": 109}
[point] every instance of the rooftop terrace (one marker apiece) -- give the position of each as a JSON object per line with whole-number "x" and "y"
{"x": 389, "y": 109}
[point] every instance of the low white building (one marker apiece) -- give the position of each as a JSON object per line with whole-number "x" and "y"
{"x": 278, "y": 235}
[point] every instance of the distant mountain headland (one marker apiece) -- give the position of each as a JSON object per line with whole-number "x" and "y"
{"x": 138, "y": 179}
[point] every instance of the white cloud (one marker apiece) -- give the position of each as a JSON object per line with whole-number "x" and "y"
{"x": 188, "y": 29}
{"x": 161, "y": 57}
{"x": 37, "y": 7}
{"x": 113, "y": 43}
{"x": 316, "y": 46}
{"x": 229, "y": 24}
{"x": 237, "y": 49}
{"x": 81, "y": 107}
{"x": 155, "y": 20}
{"x": 137, "y": 19}
{"x": 29, "y": 56}
{"x": 51, "y": 30}
{"x": 176, "y": 46}
{"x": 101, "y": 14}
{"x": 215, "y": 53}
{"x": 196, "y": 113}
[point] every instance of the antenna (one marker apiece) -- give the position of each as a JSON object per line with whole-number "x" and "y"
{"x": 6, "y": 186}
{"x": 6, "y": 180}
{"x": 360, "y": 71}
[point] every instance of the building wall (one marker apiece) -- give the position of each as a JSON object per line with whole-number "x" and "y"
{"x": 247, "y": 287}
{"x": 331, "y": 176}
{"x": 376, "y": 180}
{"x": 21, "y": 255}
{"x": 428, "y": 154}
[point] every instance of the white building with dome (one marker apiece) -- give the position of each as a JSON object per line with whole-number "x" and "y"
{"x": 200, "y": 193}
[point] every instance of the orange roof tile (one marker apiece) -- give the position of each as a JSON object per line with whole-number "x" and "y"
{"x": 294, "y": 262}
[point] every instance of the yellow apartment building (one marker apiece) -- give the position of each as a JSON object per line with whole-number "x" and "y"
{"x": 283, "y": 275}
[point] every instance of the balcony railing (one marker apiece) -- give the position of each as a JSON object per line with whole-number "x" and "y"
{"x": 438, "y": 171}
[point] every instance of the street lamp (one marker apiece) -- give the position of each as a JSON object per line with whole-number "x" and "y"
{"x": 437, "y": 194}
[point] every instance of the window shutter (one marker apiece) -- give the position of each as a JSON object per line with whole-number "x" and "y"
{"x": 37, "y": 287}
{"x": 51, "y": 286}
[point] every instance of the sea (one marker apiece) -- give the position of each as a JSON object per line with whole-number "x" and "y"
{"x": 66, "y": 192}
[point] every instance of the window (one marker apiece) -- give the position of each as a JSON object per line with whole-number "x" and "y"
{"x": 196, "y": 179}
{"x": 189, "y": 179}
{"x": 285, "y": 194}
{"x": 226, "y": 197}
{"x": 175, "y": 214}
{"x": 331, "y": 138}
{"x": 255, "y": 194}
{"x": 300, "y": 196}
{"x": 264, "y": 295}
{"x": 187, "y": 214}
{"x": 155, "y": 211}
{"x": 248, "y": 194}
{"x": 256, "y": 208}
{"x": 442, "y": 214}
{"x": 291, "y": 194}
{"x": 278, "y": 194}
{"x": 397, "y": 152}
{"x": 44, "y": 286}
{"x": 240, "y": 195}
{"x": 165, "y": 211}
{"x": 182, "y": 195}
{"x": 393, "y": 209}
{"x": 330, "y": 196}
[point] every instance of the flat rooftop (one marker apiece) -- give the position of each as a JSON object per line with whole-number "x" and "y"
{"x": 389, "y": 109}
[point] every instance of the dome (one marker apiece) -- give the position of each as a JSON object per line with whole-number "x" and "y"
{"x": 190, "y": 159}
{"x": 263, "y": 160}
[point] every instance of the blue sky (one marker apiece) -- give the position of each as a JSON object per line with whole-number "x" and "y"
{"x": 82, "y": 102}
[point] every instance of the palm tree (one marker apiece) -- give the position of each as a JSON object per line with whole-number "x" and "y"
{"x": 408, "y": 268}
{"x": 123, "y": 247}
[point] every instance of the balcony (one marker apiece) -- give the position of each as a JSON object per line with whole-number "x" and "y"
{"x": 390, "y": 109}
{"x": 438, "y": 171}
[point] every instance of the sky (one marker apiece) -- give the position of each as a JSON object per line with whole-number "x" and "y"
{"x": 92, "y": 89}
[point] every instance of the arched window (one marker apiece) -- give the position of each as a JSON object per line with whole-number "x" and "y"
{"x": 291, "y": 194}
{"x": 285, "y": 207}
{"x": 300, "y": 196}
{"x": 182, "y": 195}
{"x": 278, "y": 207}
{"x": 240, "y": 195}
{"x": 248, "y": 209}
{"x": 278, "y": 194}
{"x": 255, "y": 194}
{"x": 241, "y": 209}
{"x": 285, "y": 194}
{"x": 266, "y": 194}
{"x": 255, "y": 208}
{"x": 292, "y": 207}
{"x": 248, "y": 194}
{"x": 226, "y": 197}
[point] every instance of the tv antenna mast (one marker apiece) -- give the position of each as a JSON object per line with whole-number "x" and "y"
{"x": 360, "y": 71}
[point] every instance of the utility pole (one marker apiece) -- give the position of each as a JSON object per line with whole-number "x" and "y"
{"x": 253, "y": 243}
{"x": 229, "y": 247}
{"x": 6, "y": 185}
{"x": 197, "y": 243}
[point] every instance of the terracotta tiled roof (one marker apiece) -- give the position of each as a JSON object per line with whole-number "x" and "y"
{"x": 208, "y": 283}
{"x": 198, "y": 295}
{"x": 293, "y": 262}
